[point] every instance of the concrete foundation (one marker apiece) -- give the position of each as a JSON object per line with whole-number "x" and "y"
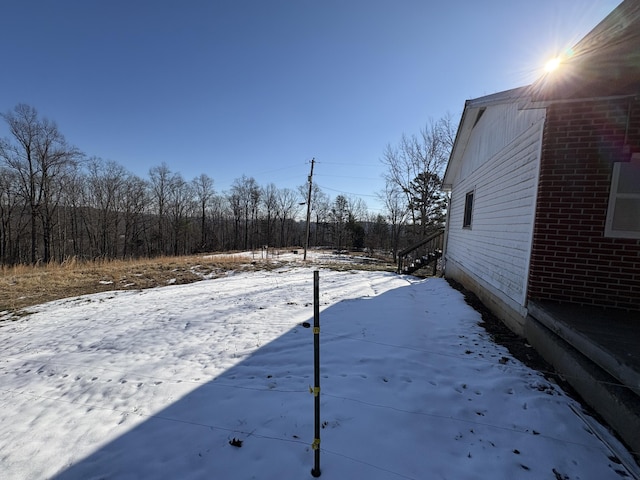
{"x": 617, "y": 404}
{"x": 505, "y": 309}
{"x": 612, "y": 398}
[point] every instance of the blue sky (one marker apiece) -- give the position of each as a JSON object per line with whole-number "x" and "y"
{"x": 259, "y": 87}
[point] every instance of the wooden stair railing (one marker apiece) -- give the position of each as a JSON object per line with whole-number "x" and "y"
{"x": 422, "y": 253}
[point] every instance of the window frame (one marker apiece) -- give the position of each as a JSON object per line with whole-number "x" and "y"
{"x": 467, "y": 216}
{"x": 614, "y": 195}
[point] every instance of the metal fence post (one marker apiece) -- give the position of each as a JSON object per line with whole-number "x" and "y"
{"x": 316, "y": 372}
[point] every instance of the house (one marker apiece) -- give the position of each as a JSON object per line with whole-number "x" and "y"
{"x": 544, "y": 214}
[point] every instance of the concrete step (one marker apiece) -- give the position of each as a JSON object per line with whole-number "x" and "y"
{"x": 616, "y": 403}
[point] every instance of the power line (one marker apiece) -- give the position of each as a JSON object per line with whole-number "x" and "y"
{"x": 286, "y": 167}
{"x": 348, "y": 193}
{"x": 346, "y": 164}
{"x": 346, "y": 176}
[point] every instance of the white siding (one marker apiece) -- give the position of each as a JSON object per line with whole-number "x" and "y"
{"x": 500, "y": 164}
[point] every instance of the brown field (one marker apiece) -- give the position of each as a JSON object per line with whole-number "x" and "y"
{"x": 26, "y": 285}
{"x": 23, "y": 286}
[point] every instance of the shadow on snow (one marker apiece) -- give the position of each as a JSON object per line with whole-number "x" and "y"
{"x": 262, "y": 403}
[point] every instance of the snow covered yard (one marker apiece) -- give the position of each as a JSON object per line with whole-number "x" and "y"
{"x": 157, "y": 384}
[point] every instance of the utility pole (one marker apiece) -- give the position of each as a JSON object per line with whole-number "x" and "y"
{"x": 306, "y": 242}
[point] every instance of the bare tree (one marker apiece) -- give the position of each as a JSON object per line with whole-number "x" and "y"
{"x": 21, "y": 158}
{"x": 246, "y": 192}
{"x": 73, "y": 206}
{"x": 320, "y": 208}
{"x": 357, "y": 208}
{"x": 50, "y": 207}
{"x": 288, "y": 207}
{"x": 416, "y": 166}
{"x": 203, "y": 190}
{"x": 161, "y": 178}
{"x": 105, "y": 182}
{"x": 234, "y": 199}
{"x": 347, "y": 217}
{"x": 40, "y": 155}
{"x": 255, "y": 193}
{"x": 377, "y": 232}
{"x": 132, "y": 206}
{"x": 397, "y": 209}
{"x": 56, "y": 159}
{"x": 180, "y": 206}
{"x": 446, "y": 129}
{"x": 10, "y": 218}
{"x": 270, "y": 203}
{"x": 220, "y": 213}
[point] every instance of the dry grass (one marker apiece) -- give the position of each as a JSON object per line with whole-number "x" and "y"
{"x": 25, "y": 285}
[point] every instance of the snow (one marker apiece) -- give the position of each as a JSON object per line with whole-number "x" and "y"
{"x": 157, "y": 384}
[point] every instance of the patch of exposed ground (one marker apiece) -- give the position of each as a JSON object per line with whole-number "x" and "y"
{"x": 24, "y": 286}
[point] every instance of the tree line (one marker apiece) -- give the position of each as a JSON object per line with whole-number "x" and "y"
{"x": 57, "y": 203}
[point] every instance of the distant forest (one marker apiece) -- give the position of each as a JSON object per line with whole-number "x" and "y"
{"x": 57, "y": 203}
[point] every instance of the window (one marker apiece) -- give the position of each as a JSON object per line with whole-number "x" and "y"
{"x": 468, "y": 208}
{"x": 623, "y": 214}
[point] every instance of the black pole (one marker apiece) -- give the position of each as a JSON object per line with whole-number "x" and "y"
{"x": 316, "y": 371}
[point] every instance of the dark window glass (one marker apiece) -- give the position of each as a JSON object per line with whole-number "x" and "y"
{"x": 468, "y": 207}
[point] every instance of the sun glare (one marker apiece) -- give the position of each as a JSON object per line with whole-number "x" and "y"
{"x": 552, "y": 65}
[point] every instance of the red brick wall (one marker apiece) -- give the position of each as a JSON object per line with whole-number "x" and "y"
{"x": 571, "y": 259}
